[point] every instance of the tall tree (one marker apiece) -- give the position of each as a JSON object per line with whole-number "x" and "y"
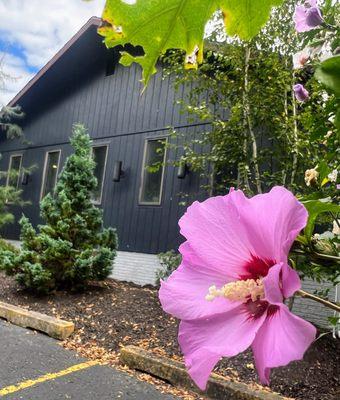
{"x": 259, "y": 135}
{"x": 9, "y": 127}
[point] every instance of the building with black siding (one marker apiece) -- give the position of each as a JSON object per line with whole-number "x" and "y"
{"x": 85, "y": 83}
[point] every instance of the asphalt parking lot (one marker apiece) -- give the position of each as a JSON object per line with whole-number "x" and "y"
{"x": 35, "y": 367}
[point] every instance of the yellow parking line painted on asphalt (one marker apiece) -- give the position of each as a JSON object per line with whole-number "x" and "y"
{"x": 32, "y": 382}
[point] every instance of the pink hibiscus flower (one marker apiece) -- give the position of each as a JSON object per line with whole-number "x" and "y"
{"x": 233, "y": 279}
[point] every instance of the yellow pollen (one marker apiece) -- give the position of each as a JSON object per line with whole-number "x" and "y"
{"x": 238, "y": 291}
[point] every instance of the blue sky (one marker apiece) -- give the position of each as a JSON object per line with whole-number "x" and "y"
{"x": 32, "y": 31}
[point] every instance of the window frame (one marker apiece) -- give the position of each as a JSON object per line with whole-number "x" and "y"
{"x": 10, "y": 167}
{"x": 142, "y": 179}
{"x": 106, "y": 145}
{"x": 45, "y": 171}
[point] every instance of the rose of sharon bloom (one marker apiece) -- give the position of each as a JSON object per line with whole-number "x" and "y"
{"x": 307, "y": 16}
{"x": 300, "y": 92}
{"x": 311, "y": 176}
{"x": 233, "y": 279}
{"x": 300, "y": 58}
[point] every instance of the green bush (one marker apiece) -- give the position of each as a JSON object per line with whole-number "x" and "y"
{"x": 7, "y": 253}
{"x": 6, "y": 246}
{"x": 72, "y": 247}
{"x": 169, "y": 262}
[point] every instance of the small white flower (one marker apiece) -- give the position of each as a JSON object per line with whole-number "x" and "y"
{"x": 333, "y": 176}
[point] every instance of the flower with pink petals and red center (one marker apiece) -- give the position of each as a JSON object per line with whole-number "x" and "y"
{"x": 230, "y": 288}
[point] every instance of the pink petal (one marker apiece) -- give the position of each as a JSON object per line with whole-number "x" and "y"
{"x": 300, "y": 19}
{"x": 272, "y": 289}
{"x": 273, "y": 221}
{"x": 281, "y": 282}
{"x": 183, "y": 293}
{"x": 282, "y": 338}
{"x": 204, "y": 342}
{"x": 214, "y": 233}
{"x": 226, "y": 233}
{"x": 290, "y": 281}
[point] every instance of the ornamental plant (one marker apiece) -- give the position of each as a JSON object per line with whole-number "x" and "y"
{"x": 72, "y": 247}
{"x": 237, "y": 268}
{"x": 317, "y": 254}
{"x": 230, "y": 288}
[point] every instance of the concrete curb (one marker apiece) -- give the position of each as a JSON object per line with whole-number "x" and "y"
{"x": 56, "y": 328}
{"x": 174, "y": 372}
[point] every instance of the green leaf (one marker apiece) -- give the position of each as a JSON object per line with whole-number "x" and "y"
{"x": 159, "y": 25}
{"x": 324, "y": 170}
{"x": 337, "y": 118}
{"x": 245, "y": 18}
{"x": 328, "y": 73}
{"x": 315, "y": 208}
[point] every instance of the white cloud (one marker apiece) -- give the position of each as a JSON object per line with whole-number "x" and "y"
{"x": 15, "y": 69}
{"x": 39, "y": 28}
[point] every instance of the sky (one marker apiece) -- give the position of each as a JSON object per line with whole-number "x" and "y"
{"x": 32, "y": 31}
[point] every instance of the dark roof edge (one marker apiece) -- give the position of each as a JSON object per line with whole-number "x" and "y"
{"x": 93, "y": 21}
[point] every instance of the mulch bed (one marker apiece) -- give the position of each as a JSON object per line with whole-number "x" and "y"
{"x": 113, "y": 314}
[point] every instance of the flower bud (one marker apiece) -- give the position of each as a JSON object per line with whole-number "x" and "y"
{"x": 300, "y": 92}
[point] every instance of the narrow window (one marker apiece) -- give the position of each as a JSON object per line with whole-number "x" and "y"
{"x": 99, "y": 154}
{"x": 153, "y": 172}
{"x": 14, "y": 170}
{"x": 50, "y": 172}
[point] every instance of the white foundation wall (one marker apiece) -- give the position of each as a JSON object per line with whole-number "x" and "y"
{"x": 309, "y": 309}
{"x": 139, "y": 268}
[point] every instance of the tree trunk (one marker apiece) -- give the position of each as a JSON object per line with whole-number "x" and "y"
{"x": 248, "y": 123}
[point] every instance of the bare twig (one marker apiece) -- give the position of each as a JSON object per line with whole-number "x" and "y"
{"x": 326, "y": 303}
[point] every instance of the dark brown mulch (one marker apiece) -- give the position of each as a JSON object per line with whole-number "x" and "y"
{"x": 112, "y": 314}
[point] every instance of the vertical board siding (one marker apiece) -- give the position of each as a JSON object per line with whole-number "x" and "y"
{"x": 117, "y": 114}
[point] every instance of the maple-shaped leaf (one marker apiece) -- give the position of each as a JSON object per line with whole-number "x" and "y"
{"x": 159, "y": 25}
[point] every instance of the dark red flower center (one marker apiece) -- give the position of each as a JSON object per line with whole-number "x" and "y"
{"x": 256, "y": 268}
{"x": 257, "y": 308}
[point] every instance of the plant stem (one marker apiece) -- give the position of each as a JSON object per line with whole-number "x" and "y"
{"x": 326, "y": 303}
{"x": 335, "y": 217}
{"x": 246, "y": 112}
{"x": 295, "y": 138}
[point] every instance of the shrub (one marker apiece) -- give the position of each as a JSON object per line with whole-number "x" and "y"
{"x": 72, "y": 247}
{"x": 6, "y": 246}
{"x": 7, "y": 252}
{"x": 169, "y": 262}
